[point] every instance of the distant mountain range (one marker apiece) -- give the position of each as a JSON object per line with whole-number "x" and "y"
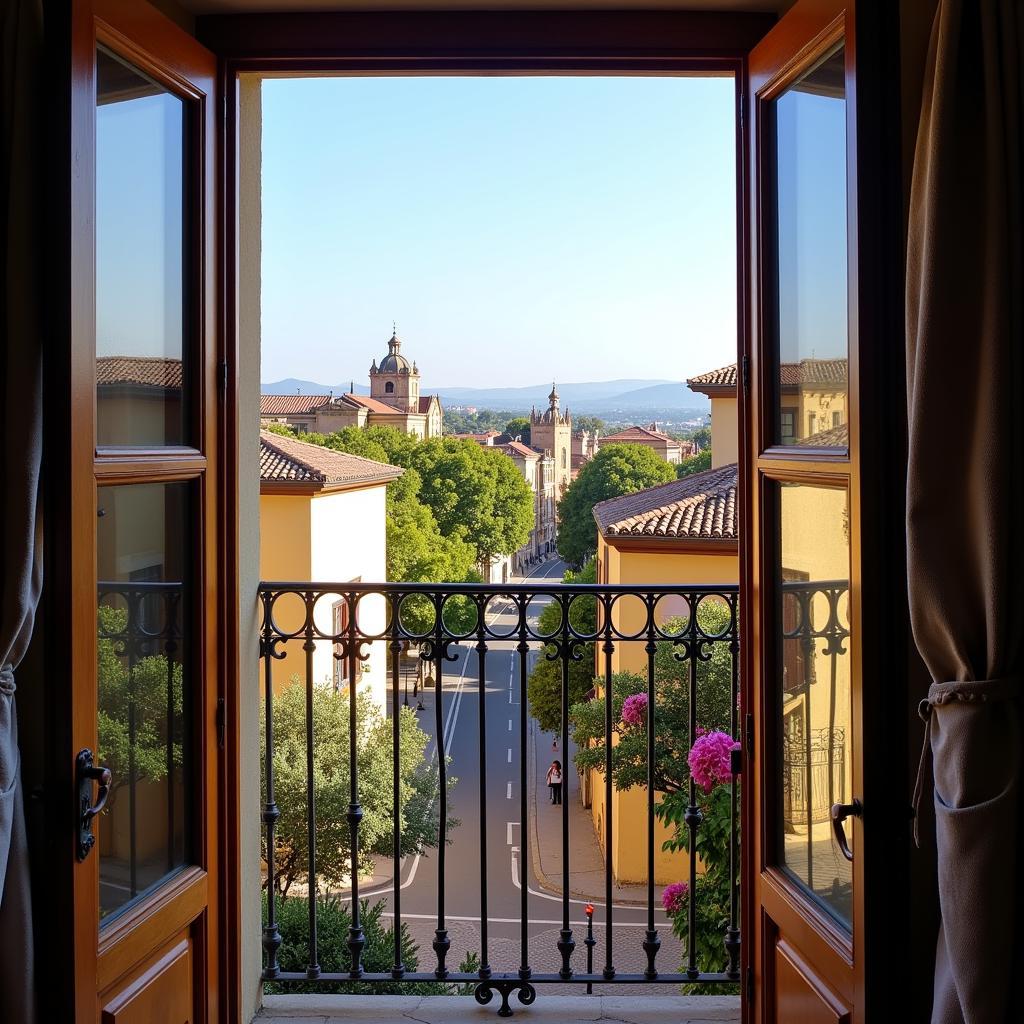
{"x": 586, "y": 397}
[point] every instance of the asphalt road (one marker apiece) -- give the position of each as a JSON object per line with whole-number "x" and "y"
{"x": 507, "y": 851}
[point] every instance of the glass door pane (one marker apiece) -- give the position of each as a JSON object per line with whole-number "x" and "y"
{"x": 808, "y": 124}
{"x": 812, "y": 692}
{"x": 145, "y": 678}
{"x": 141, "y": 194}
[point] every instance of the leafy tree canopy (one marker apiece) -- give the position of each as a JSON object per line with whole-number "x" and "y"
{"x": 616, "y": 469}
{"x": 544, "y": 687}
{"x": 672, "y": 709}
{"x": 477, "y": 494}
{"x": 519, "y": 427}
{"x": 417, "y": 789}
{"x": 694, "y": 464}
{"x": 592, "y": 424}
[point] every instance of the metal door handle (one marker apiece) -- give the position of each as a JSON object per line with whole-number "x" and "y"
{"x": 86, "y": 773}
{"x": 839, "y": 814}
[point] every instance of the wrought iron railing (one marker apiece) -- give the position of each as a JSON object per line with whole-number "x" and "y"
{"x": 306, "y": 616}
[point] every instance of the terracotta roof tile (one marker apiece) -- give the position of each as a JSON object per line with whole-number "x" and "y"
{"x": 807, "y": 371}
{"x": 518, "y": 448}
{"x": 286, "y": 459}
{"x": 723, "y": 377}
{"x": 290, "y": 405}
{"x": 837, "y": 437}
{"x": 698, "y": 507}
{"x": 145, "y": 371}
{"x": 634, "y": 434}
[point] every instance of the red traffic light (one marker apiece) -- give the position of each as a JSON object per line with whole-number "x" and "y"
{"x": 590, "y": 910}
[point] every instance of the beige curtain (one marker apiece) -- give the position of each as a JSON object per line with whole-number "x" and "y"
{"x": 965, "y": 509}
{"x": 21, "y": 306}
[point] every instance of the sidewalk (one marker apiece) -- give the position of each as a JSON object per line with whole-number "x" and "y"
{"x": 586, "y": 862}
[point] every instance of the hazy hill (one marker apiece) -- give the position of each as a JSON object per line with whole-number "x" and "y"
{"x": 589, "y": 396}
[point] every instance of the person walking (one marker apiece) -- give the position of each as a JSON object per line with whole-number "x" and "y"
{"x": 555, "y": 782}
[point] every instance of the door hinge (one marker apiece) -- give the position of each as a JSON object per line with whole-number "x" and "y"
{"x": 222, "y": 374}
{"x": 221, "y": 722}
{"x": 748, "y": 729}
{"x": 750, "y": 985}
{"x": 745, "y": 373}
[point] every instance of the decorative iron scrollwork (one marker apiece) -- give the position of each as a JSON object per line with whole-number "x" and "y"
{"x": 484, "y": 993}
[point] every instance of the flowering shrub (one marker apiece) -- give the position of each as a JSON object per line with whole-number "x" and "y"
{"x": 673, "y": 899}
{"x": 709, "y": 758}
{"x": 634, "y": 710}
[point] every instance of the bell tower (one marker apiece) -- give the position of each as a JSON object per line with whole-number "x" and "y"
{"x": 394, "y": 382}
{"x": 551, "y": 431}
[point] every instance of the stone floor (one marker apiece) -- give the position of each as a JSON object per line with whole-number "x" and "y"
{"x": 465, "y": 1010}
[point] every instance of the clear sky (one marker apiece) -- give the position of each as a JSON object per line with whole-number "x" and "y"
{"x": 516, "y": 229}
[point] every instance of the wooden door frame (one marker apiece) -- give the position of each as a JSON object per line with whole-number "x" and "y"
{"x": 877, "y": 454}
{"x": 591, "y": 42}
{"x": 72, "y": 469}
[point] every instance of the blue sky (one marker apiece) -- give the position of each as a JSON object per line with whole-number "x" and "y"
{"x": 517, "y": 229}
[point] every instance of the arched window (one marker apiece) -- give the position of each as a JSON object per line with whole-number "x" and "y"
{"x": 389, "y": 388}
{"x": 563, "y": 458}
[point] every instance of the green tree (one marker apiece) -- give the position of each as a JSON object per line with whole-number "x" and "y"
{"x": 544, "y": 687}
{"x": 136, "y": 692}
{"x": 418, "y": 783}
{"x": 672, "y": 709}
{"x": 519, "y": 427}
{"x": 616, "y": 469}
{"x": 702, "y": 436}
{"x": 592, "y": 424}
{"x": 694, "y": 464}
{"x": 477, "y": 494}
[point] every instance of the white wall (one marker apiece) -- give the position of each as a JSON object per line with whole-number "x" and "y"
{"x": 348, "y": 541}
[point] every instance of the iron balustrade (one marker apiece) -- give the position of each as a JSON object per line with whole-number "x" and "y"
{"x": 351, "y": 644}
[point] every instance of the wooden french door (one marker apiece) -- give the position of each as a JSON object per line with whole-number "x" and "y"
{"x": 143, "y": 548}
{"x": 805, "y": 921}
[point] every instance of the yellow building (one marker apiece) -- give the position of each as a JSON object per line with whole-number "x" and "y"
{"x": 683, "y": 532}
{"x": 394, "y": 401}
{"x": 812, "y": 406}
{"x": 322, "y": 518}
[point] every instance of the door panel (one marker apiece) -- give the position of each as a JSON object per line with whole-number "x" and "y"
{"x": 161, "y": 994}
{"x": 145, "y": 684}
{"x": 807, "y": 888}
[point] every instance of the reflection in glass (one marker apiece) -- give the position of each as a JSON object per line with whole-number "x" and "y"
{"x": 140, "y": 295}
{"x": 143, "y": 679}
{"x": 809, "y": 121}
{"x": 814, "y": 688}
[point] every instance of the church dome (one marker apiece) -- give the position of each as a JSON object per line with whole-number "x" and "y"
{"x": 394, "y": 361}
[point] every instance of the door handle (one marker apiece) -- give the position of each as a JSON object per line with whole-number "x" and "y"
{"x": 839, "y": 814}
{"x": 86, "y": 773}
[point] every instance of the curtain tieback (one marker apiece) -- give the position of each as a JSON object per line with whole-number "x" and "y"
{"x": 7, "y": 686}
{"x": 979, "y": 691}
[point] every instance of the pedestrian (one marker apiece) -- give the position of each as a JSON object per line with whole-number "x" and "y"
{"x": 555, "y": 782}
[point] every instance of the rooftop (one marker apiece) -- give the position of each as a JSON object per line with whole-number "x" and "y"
{"x": 808, "y": 371}
{"x": 144, "y": 371}
{"x": 290, "y": 405}
{"x": 286, "y": 460}
{"x": 701, "y": 506}
{"x": 634, "y": 434}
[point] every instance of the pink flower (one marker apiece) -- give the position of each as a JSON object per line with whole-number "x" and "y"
{"x": 673, "y": 898}
{"x": 634, "y": 709}
{"x": 709, "y": 759}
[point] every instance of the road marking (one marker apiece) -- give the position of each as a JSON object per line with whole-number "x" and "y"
{"x": 509, "y": 755}
{"x": 508, "y": 792}
{"x": 509, "y": 825}
{"x": 510, "y": 725}
{"x": 661, "y": 920}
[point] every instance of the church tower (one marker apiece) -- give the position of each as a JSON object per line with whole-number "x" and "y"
{"x": 551, "y": 430}
{"x": 395, "y": 382}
